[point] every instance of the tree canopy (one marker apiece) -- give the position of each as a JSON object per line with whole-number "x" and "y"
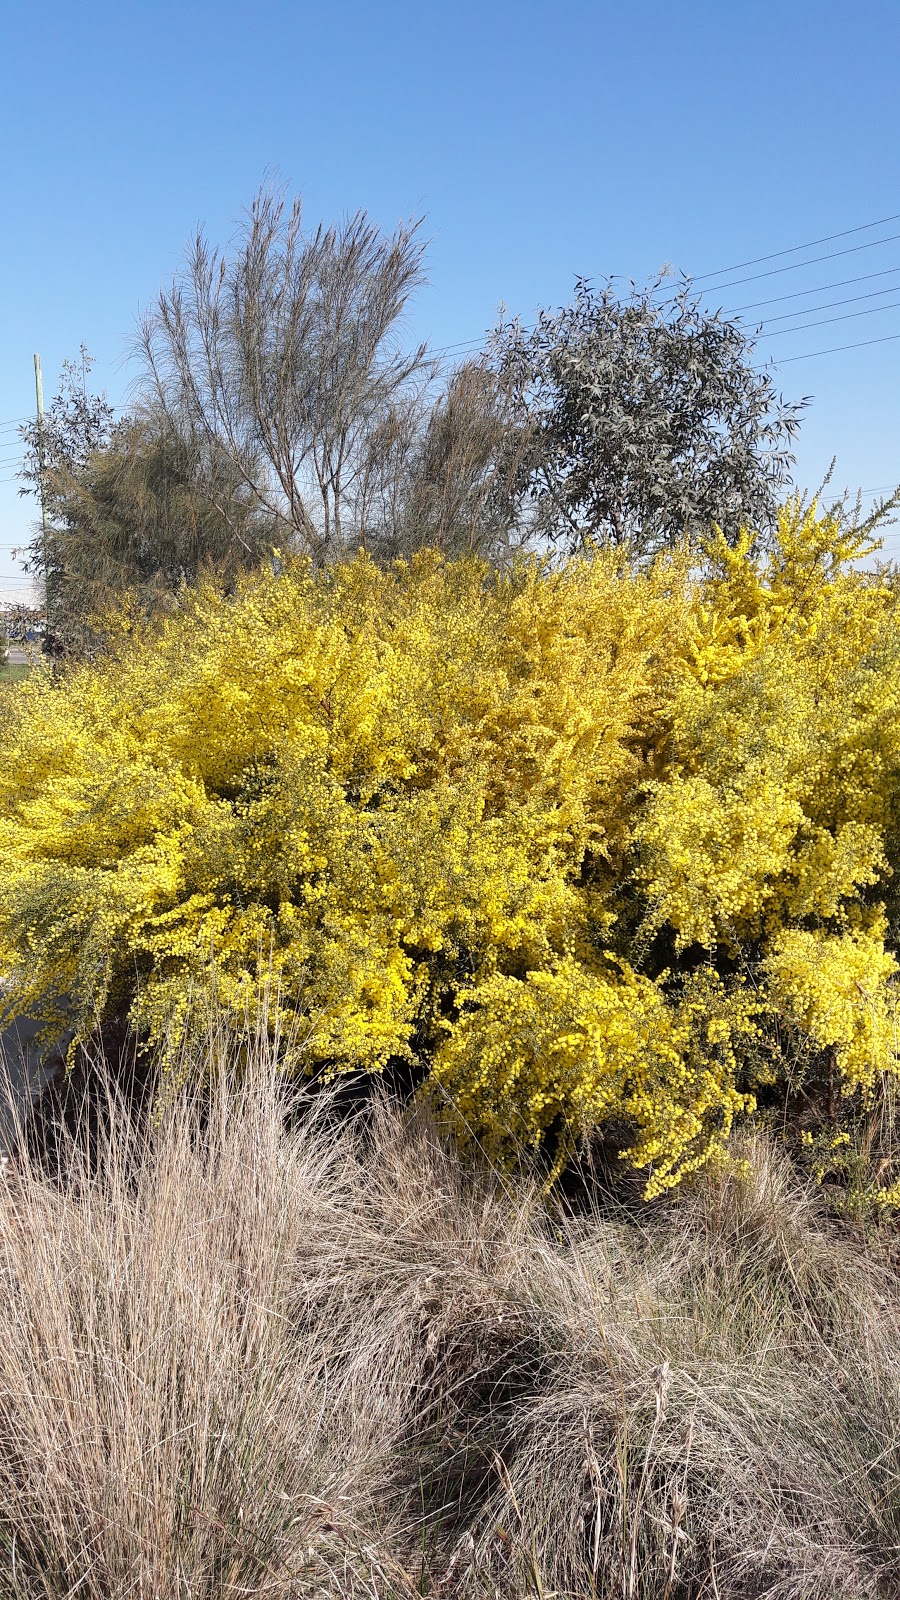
{"x": 647, "y": 420}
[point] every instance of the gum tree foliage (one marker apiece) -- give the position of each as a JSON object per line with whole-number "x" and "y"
{"x": 21, "y": 622}
{"x": 647, "y": 420}
{"x": 76, "y": 425}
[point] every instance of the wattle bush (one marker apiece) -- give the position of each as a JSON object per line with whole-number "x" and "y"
{"x": 592, "y": 847}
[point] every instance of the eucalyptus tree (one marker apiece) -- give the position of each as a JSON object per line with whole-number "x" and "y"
{"x": 76, "y": 425}
{"x": 647, "y": 420}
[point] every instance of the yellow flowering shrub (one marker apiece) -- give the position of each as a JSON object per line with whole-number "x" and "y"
{"x": 570, "y": 1047}
{"x": 590, "y": 847}
{"x": 835, "y": 988}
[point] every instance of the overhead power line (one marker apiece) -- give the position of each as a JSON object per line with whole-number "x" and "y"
{"x": 871, "y": 244}
{"x": 825, "y": 322}
{"x": 889, "y": 338}
{"x": 795, "y": 266}
{"x": 793, "y": 249}
{"x": 828, "y": 305}
{"x": 821, "y": 288}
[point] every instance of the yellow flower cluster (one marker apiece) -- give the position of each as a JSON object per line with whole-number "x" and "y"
{"x": 578, "y": 840}
{"x": 571, "y": 1047}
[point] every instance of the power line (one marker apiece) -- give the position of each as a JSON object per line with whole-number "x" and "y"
{"x": 795, "y": 266}
{"x": 807, "y": 311}
{"x": 807, "y": 355}
{"x": 799, "y": 294}
{"x": 825, "y": 322}
{"x": 469, "y": 344}
{"x": 793, "y": 248}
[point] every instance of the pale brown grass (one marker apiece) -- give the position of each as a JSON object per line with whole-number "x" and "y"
{"x": 249, "y": 1355}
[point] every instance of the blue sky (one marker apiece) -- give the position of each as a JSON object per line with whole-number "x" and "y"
{"x": 539, "y": 140}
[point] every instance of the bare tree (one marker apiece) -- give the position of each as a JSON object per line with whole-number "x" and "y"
{"x": 284, "y": 353}
{"x": 461, "y": 471}
{"x": 443, "y": 468}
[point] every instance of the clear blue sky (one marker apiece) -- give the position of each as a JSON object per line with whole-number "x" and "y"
{"x": 541, "y": 140}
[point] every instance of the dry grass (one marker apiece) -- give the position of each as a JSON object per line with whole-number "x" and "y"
{"x": 245, "y": 1357}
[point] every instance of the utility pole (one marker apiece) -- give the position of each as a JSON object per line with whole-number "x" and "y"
{"x": 39, "y": 396}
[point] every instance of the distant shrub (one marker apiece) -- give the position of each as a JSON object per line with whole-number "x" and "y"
{"x": 592, "y": 846}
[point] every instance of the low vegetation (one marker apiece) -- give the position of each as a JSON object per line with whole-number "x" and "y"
{"x": 453, "y": 834}
{"x": 591, "y": 850}
{"x": 252, "y": 1348}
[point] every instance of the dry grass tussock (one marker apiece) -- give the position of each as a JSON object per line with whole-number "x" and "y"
{"x": 245, "y": 1355}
